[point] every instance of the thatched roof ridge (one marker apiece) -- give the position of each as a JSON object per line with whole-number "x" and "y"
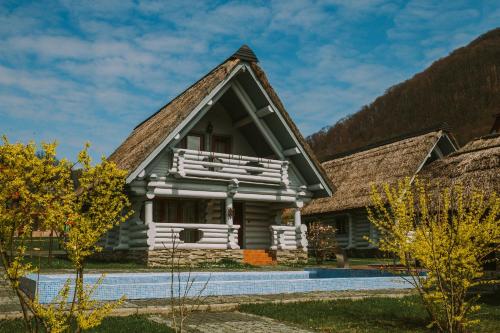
{"x": 151, "y": 132}
{"x": 475, "y": 165}
{"x": 353, "y": 175}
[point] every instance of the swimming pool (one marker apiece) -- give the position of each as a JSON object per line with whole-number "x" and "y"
{"x": 159, "y": 285}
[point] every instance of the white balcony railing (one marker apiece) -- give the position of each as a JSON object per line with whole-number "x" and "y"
{"x": 284, "y": 237}
{"x": 203, "y": 164}
{"x": 192, "y": 236}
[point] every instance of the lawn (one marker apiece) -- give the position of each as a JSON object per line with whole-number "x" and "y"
{"x": 109, "y": 325}
{"x": 371, "y": 315}
{"x": 62, "y": 263}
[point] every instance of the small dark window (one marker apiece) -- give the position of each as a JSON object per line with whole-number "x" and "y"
{"x": 341, "y": 223}
{"x": 190, "y": 235}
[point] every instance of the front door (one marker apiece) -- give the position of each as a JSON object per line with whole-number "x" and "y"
{"x": 238, "y": 220}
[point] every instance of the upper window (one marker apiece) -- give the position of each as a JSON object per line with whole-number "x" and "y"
{"x": 193, "y": 142}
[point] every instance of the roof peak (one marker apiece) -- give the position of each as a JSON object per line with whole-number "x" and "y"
{"x": 440, "y": 127}
{"x": 245, "y": 53}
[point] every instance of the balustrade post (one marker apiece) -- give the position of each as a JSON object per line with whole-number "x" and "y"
{"x": 302, "y": 242}
{"x": 148, "y": 212}
{"x": 274, "y": 238}
{"x": 297, "y": 218}
{"x": 232, "y": 236}
{"x": 284, "y": 174}
{"x": 281, "y": 240}
{"x": 180, "y": 163}
{"x": 300, "y": 229}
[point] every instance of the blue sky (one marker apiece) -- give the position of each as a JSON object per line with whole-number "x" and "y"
{"x": 76, "y": 71}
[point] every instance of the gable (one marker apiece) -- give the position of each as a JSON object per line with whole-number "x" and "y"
{"x": 261, "y": 107}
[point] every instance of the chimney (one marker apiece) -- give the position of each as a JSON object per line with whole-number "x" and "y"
{"x": 496, "y": 125}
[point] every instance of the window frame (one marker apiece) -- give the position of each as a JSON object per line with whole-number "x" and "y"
{"x": 183, "y": 143}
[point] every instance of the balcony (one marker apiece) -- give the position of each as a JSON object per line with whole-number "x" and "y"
{"x": 208, "y": 165}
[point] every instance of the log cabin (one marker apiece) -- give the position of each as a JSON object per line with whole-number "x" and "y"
{"x": 353, "y": 173}
{"x": 212, "y": 172}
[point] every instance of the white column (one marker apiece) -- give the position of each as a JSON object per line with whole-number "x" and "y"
{"x": 229, "y": 211}
{"x": 148, "y": 211}
{"x": 232, "y": 232}
{"x": 300, "y": 230}
{"x": 297, "y": 218}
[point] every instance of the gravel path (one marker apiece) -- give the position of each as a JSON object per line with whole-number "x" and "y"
{"x": 228, "y": 322}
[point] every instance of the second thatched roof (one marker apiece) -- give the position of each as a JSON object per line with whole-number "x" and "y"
{"x": 353, "y": 175}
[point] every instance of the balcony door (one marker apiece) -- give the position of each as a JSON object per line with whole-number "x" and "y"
{"x": 221, "y": 144}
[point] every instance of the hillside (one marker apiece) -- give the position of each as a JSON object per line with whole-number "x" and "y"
{"x": 462, "y": 89}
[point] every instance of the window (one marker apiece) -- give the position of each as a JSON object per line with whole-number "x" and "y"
{"x": 341, "y": 223}
{"x": 179, "y": 211}
{"x": 193, "y": 141}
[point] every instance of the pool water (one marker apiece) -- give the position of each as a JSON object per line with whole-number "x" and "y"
{"x": 160, "y": 285}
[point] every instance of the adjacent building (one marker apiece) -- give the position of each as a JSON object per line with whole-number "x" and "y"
{"x": 353, "y": 173}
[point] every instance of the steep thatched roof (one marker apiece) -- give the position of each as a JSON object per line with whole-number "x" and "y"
{"x": 353, "y": 175}
{"x": 150, "y": 133}
{"x": 476, "y": 165}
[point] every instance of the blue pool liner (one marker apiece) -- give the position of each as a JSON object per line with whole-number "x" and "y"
{"x": 160, "y": 285}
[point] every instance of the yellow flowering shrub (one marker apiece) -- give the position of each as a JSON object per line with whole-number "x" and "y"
{"x": 37, "y": 190}
{"x": 447, "y": 235}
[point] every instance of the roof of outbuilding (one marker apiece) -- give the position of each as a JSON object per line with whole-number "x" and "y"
{"x": 353, "y": 175}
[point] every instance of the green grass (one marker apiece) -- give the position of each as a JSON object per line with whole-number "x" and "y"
{"x": 109, "y": 325}
{"x": 63, "y": 263}
{"x": 60, "y": 263}
{"x": 373, "y": 315}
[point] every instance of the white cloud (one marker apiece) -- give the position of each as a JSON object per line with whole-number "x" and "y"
{"x": 93, "y": 69}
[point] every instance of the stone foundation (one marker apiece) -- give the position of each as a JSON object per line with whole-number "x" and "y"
{"x": 192, "y": 257}
{"x": 290, "y": 257}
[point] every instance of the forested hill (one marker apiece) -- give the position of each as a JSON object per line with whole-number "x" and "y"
{"x": 462, "y": 89}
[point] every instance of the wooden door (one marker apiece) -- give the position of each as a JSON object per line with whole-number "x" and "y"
{"x": 238, "y": 220}
{"x": 221, "y": 144}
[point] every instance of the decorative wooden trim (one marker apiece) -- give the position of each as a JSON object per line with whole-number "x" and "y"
{"x": 291, "y": 152}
